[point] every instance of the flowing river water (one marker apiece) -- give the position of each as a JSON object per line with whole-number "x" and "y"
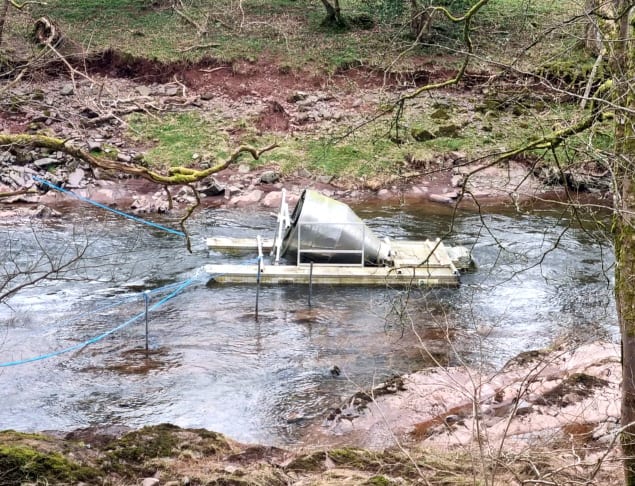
{"x": 539, "y": 277}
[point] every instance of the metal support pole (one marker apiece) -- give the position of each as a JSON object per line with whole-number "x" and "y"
{"x": 259, "y": 270}
{"x": 310, "y": 282}
{"x": 257, "y": 286}
{"x": 146, "y": 297}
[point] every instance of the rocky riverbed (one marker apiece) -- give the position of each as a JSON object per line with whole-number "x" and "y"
{"x": 555, "y": 409}
{"x": 560, "y": 395}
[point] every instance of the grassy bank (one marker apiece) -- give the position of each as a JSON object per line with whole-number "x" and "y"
{"x": 199, "y": 457}
{"x": 291, "y": 35}
{"x": 292, "y": 31}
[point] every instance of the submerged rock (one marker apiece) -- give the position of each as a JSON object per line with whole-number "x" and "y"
{"x": 45, "y": 212}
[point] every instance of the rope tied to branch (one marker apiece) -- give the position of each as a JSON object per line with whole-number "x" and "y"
{"x": 108, "y": 208}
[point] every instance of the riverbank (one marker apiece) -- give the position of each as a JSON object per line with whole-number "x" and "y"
{"x": 556, "y": 409}
{"x": 445, "y": 177}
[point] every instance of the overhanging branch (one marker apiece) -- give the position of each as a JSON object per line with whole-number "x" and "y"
{"x": 467, "y": 19}
{"x": 174, "y": 176}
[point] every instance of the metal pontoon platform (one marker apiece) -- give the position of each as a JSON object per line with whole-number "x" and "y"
{"x": 408, "y": 268}
{"x": 339, "y": 251}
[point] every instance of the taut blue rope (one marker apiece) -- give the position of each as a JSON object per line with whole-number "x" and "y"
{"x": 101, "y": 336}
{"x": 108, "y": 208}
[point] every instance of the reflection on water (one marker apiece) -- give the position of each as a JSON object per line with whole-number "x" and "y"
{"x": 213, "y": 365}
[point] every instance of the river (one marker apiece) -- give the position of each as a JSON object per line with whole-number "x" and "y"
{"x": 539, "y": 277}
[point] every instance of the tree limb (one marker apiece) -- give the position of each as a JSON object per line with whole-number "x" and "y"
{"x": 175, "y": 175}
{"x": 20, "y": 6}
{"x": 466, "y": 19}
{"x": 202, "y": 31}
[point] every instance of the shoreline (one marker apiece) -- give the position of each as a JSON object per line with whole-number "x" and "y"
{"x": 562, "y": 400}
{"x": 235, "y": 188}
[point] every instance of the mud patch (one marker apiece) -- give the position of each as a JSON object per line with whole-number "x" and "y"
{"x": 13, "y": 122}
{"x": 274, "y": 118}
{"x": 138, "y": 361}
{"x": 98, "y": 436}
{"x": 117, "y": 64}
{"x": 580, "y": 385}
{"x": 258, "y": 453}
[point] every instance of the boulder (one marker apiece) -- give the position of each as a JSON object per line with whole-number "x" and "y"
{"x": 450, "y": 131}
{"x": 457, "y": 180}
{"x": 171, "y": 91}
{"x": 272, "y": 199}
{"x": 269, "y": 177}
{"x": 67, "y": 89}
{"x": 46, "y": 161}
{"x": 18, "y": 176}
{"x": 308, "y": 101}
{"x": 324, "y": 179}
{"x": 231, "y": 191}
{"x": 76, "y": 178}
{"x": 440, "y": 198}
{"x": 456, "y": 156}
{"x": 94, "y": 146}
{"x": 210, "y": 187}
{"x": 298, "y": 96}
{"x": 248, "y": 199}
{"x": 440, "y": 114}
{"x": 422, "y": 134}
{"x": 143, "y": 90}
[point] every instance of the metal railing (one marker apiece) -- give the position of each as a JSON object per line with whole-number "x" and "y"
{"x": 331, "y": 251}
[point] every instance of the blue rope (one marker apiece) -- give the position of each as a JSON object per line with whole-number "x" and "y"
{"x": 125, "y": 300}
{"x": 108, "y": 208}
{"x": 174, "y": 293}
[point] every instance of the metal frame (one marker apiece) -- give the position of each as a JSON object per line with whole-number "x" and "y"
{"x": 300, "y": 251}
{"x": 284, "y": 221}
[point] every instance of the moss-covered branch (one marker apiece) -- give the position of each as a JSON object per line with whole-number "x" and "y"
{"x": 175, "y": 175}
{"x": 548, "y": 142}
{"x": 555, "y": 138}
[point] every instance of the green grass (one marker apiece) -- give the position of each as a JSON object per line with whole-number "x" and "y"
{"x": 358, "y": 157}
{"x": 175, "y": 138}
{"x": 291, "y": 31}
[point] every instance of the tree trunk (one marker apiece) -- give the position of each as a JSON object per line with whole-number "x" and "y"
{"x": 333, "y": 13}
{"x": 4, "y": 13}
{"x": 420, "y": 20}
{"x": 593, "y": 35}
{"x": 623, "y": 69}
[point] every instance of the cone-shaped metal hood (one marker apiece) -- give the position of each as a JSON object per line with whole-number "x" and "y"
{"x": 328, "y": 231}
